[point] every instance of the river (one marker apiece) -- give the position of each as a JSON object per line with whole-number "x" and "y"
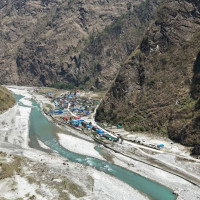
{"x": 42, "y": 129}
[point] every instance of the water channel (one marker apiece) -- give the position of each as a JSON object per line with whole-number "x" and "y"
{"x": 42, "y": 129}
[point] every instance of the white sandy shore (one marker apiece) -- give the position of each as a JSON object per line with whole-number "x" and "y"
{"x": 105, "y": 187}
{"x": 109, "y": 188}
{"x": 24, "y": 92}
{"x": 42, "y": 99}
{"x": 186, "y": 190}
{"x": 43, "y": 145}
{"x": 15, "y": 125}
{"x": 78, "y": 145}
{"x": 23, "y": 187}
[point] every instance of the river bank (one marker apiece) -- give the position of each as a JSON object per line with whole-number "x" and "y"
{"x": 90, "y": 180}
{"x": 185, "y": 189}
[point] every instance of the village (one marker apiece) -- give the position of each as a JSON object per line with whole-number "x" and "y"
{"x": 74, "y": 109}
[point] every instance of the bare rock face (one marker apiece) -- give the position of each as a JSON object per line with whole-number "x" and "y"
{"x": 158, "y": 87}
{"x": 18, "y": 20}
{"x": 101, "y": 58}
{"x": 41, "y": 40}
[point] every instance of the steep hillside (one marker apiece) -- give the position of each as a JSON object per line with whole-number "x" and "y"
{"x": 158, "y": 87}
{"x": 6, "y": 99}
{"x": 39, "y": 39}
{"x": 101, "y": 57}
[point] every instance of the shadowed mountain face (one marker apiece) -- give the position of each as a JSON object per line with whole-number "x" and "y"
{"x": 158, "y": 87}
{"x": 44, "y": 42}
{"x": 195, "y": 87}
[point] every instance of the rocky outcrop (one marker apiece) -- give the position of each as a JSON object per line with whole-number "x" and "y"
{"x": 157, "y": 89}
{"x": 41, "y": 40}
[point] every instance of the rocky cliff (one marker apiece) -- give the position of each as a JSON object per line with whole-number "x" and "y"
{"x": 41, "y": 41}
{"x": 100, "y": 59}
{"x": 158, "y": 87}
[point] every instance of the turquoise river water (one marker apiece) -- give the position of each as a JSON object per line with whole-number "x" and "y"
{"x": 42, "y": 129}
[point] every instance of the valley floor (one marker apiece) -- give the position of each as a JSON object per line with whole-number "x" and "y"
{"x": 39, "y": 175}
{"x": 61, "y": 179}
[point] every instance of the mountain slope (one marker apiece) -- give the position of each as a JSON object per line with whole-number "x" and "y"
{"x": 6, "y": 99}
{"x": 157, "y": 89}
{"x": 38, "y": 38}
{"x": 100, "y": 60}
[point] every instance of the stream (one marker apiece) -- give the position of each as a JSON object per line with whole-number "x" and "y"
{"x": 42, "y": 129}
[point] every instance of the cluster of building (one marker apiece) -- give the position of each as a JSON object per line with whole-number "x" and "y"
{"x": 70, "y": 104}
{"x": 71, "y": 108}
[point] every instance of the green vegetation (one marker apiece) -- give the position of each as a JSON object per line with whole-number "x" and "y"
{"x": 73, "y": 188}
{"x": 70, "y": 2}
{"x": 67, "y": 86}
{"x": 61, "y": 85}
{"x": 15, "y": 165}
{"x": 117, "y": 24}
{"x": 135, "y": 118}
{"x": 9, "y": 169}
{"x": 107, "y": 156}
{"x": 6, "y": 99}
{"x": 187, "y": 103}
{"x": 138, "y": 129}
{"x": 47, "y": 107}
{"x": 32, "y": 180}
